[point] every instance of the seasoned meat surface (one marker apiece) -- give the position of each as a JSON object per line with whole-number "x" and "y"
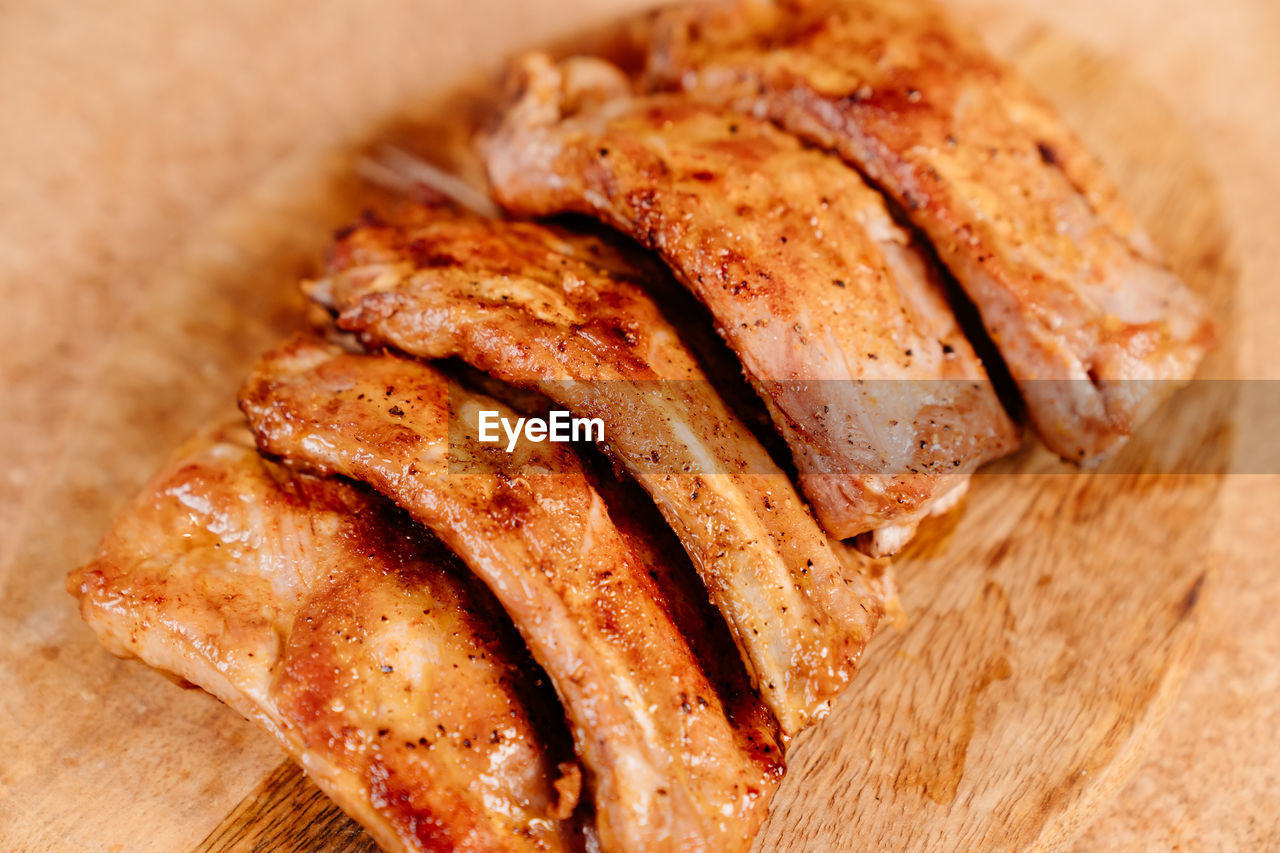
{"x": 834, "y": 312}
{"x": 657, "y": 547}
{"x": 1091, "y": 323}
{"x": 562, "y": 314}
{"x": 322, "y": 613}
{"x": 668, "y": 770}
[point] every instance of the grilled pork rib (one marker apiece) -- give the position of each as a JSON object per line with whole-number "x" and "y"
{"x": 668, "y": 770}
{"x": 1092, "y": 325}
{"x": 835, "y": 314}
{"x": 657, "y": 547}
{"x": 545, "y": 309}
{"x": 323, "y": 614}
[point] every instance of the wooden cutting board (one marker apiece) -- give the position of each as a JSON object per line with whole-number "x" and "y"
{"x": 1050, "y": 620}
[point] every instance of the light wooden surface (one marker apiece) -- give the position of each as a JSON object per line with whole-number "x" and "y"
{"x": 102, "y": 181}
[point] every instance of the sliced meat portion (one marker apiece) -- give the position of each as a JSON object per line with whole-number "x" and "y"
{"x": 561, "y": 314}
{"x": 669, "y": 772}
{"x": 325, "y": 615}
{"x": 834, "y": 313}
{"x": 686, "y": 598}
{"x": 1093, "y": 326}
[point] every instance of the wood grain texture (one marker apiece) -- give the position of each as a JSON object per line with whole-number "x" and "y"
{"x": 1051, "y": 620}
{"x": 286, "y": 813}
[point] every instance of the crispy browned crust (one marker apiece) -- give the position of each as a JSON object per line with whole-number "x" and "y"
{"x": 324, "y": 614}
{"x": 562, "y": 314}
{"x": 834, "y": 313}
{"x": 667, "y": 768}
{"x": 1091, "y": 323}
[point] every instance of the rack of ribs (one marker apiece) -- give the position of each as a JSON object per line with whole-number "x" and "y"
{"x": 318, "y": 611}
{"x": 1091, "y": 323}
{"x": 837, "y": 317}
{"x": 564, "y": 314}
{"x": 668, "y": 770}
